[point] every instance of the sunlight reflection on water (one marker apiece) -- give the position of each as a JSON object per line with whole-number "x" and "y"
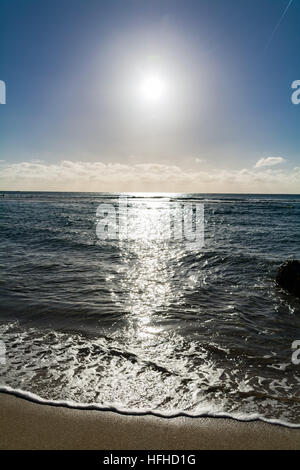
{"x": 147, "y": 282}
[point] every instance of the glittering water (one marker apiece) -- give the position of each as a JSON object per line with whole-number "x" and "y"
{"x": 147, "y": 323}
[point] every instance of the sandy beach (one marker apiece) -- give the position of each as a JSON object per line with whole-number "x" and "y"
{"x": 27, "y": 425}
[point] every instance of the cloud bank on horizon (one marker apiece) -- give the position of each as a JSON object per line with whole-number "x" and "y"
{"x": 146, "y": 177}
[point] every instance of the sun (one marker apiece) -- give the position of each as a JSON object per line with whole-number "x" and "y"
{"x": 152, "y": 89}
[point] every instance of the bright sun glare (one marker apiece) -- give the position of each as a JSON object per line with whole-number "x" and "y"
{"x": 152, "y": 89}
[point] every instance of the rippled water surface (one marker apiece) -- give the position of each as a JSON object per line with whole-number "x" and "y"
{"x": 146, "y": 323}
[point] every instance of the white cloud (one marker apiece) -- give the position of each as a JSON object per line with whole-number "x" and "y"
{"x": 97, "y": 176}
{"x": 269, "y": 161}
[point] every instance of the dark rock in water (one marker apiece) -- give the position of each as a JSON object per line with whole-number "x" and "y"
{"x": 288, "y": 277}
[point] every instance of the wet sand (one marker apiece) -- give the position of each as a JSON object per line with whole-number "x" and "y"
{"x": 27, "y": 425}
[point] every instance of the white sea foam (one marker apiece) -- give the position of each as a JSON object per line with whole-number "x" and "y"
{"x": 136, "y": 376}
{"x": 204, "y": 412}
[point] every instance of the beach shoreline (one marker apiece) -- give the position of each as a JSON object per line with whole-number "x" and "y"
{"x": 28, "y": 425}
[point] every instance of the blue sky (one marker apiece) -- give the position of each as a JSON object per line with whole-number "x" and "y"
{"x": 76, "y": 119}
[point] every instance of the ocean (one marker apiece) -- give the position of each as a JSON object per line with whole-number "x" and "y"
{"x": 151, "y": 321}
